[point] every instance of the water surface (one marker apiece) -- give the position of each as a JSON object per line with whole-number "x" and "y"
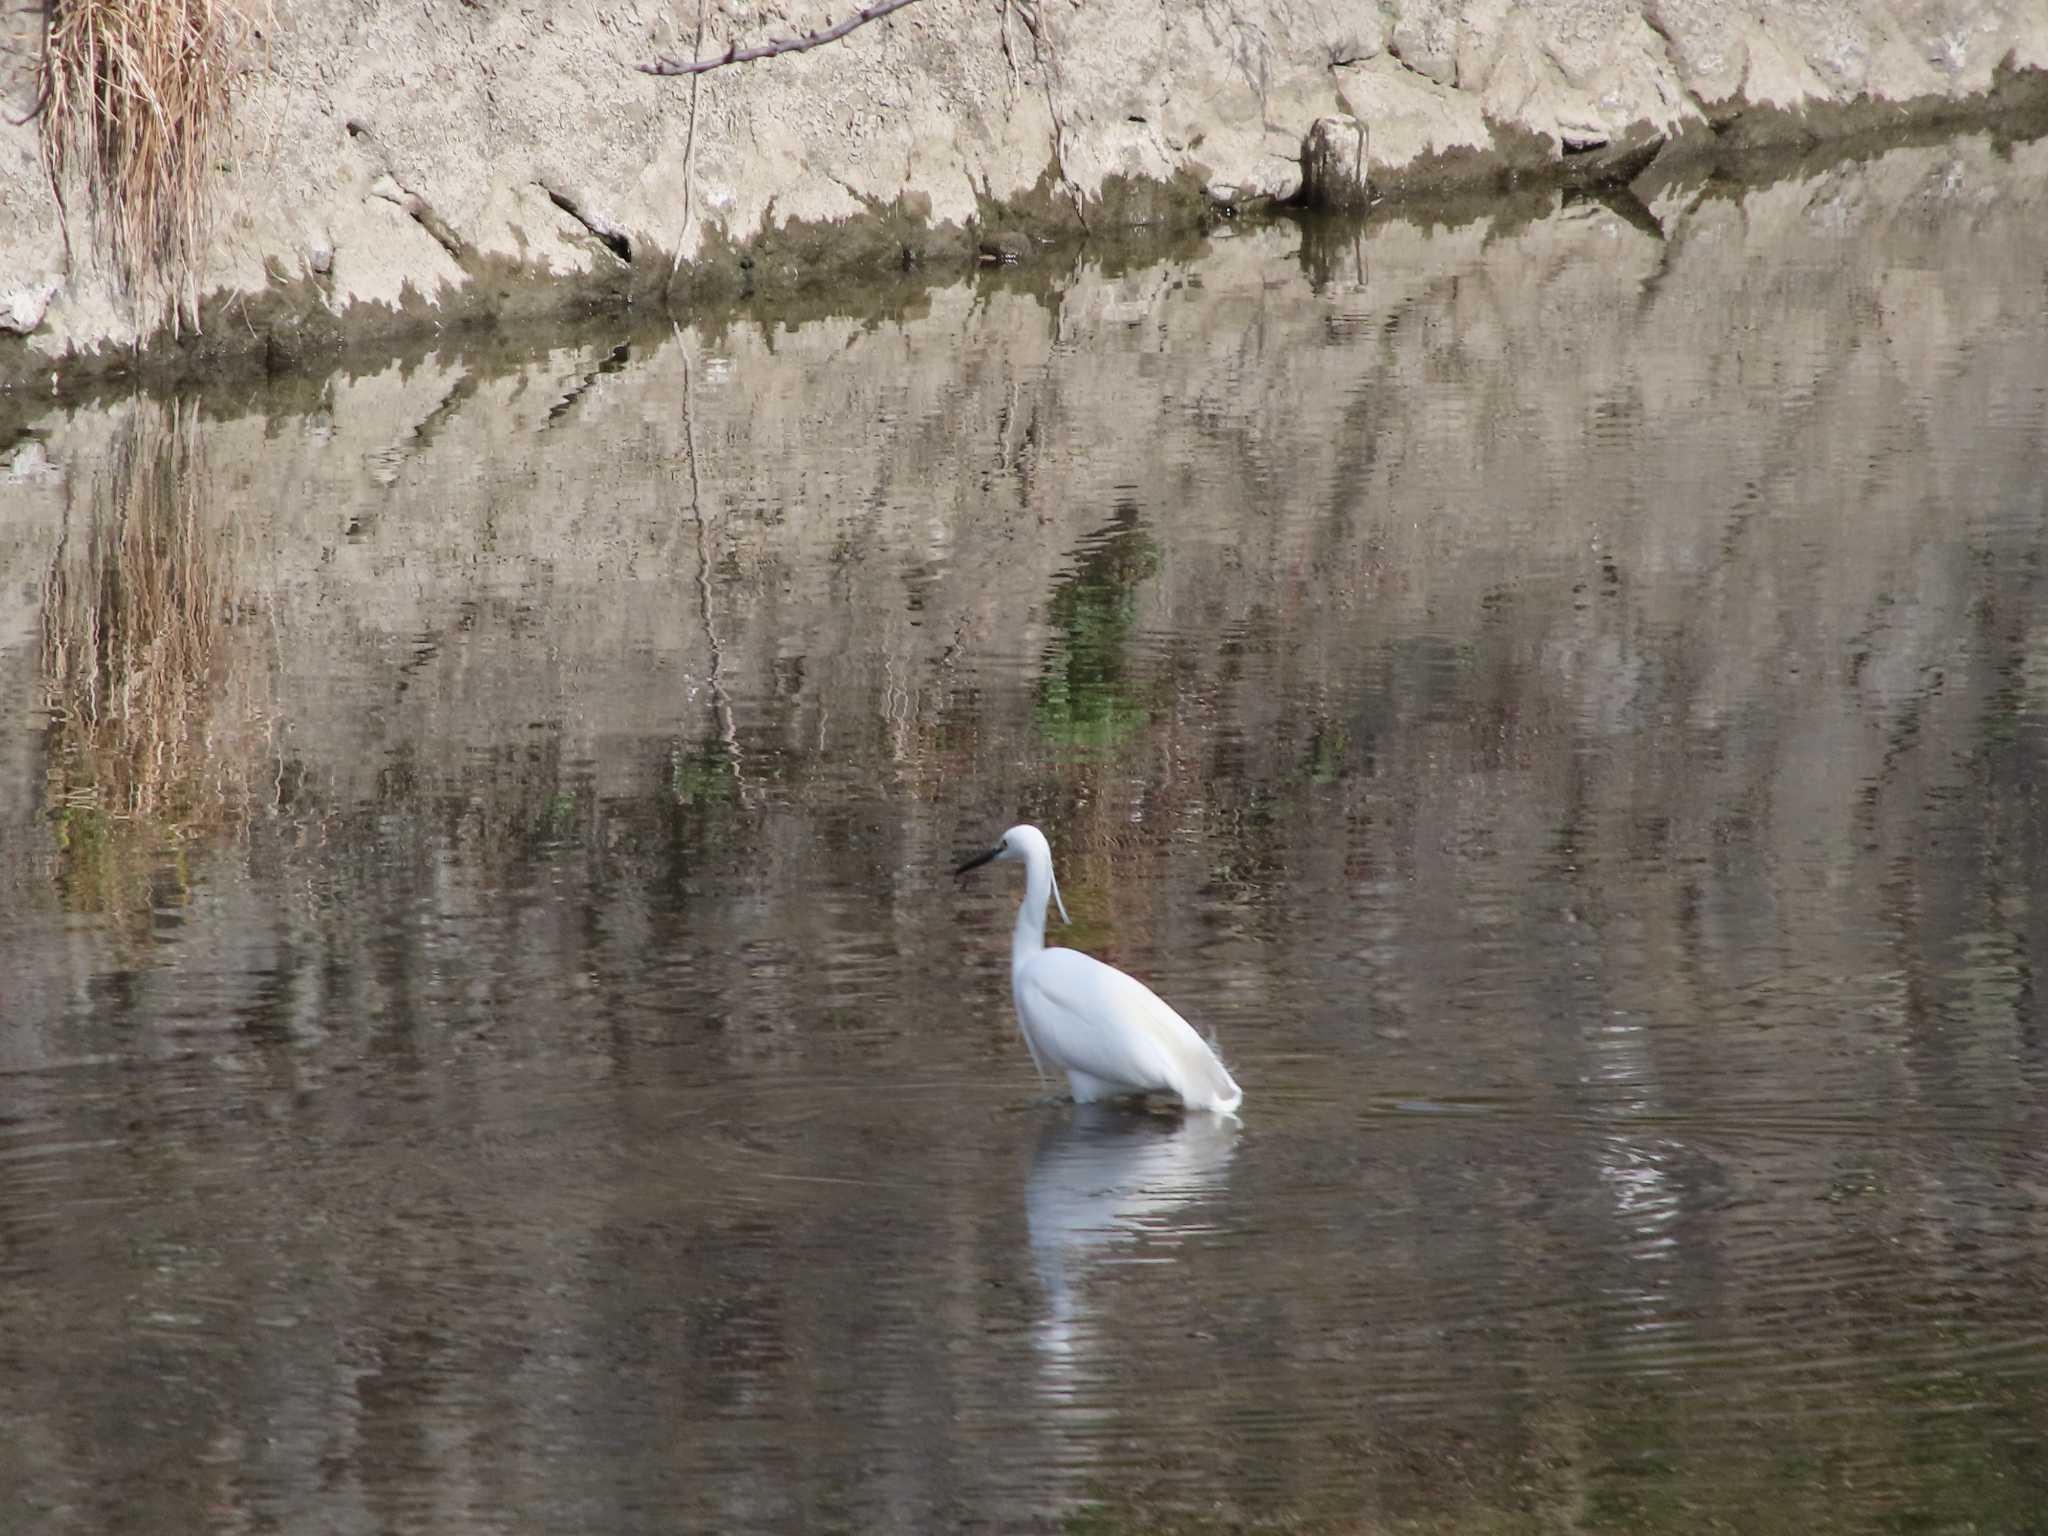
{"x": 491, "y": 1041}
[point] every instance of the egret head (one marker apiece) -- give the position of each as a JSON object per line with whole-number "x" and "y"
{"x": 1026, "y": 845}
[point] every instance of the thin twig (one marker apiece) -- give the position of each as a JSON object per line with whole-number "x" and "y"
{"x": 728, "y": 726}
{"x": 690, "y": 152}
{"x": 1003, "y": 32}
{"x": 775, "y": 45}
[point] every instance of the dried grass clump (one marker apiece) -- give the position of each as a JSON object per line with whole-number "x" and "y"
{"x": 159, "y": 738}
{"x": 134, "y": 99}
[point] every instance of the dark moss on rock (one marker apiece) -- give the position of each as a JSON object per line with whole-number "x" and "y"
{"x": 884, "y": 258}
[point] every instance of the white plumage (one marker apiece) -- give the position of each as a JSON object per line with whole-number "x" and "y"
{"x": 1110, "y": 1033}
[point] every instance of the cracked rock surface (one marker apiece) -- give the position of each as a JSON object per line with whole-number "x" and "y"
{"x": 396, "y": 160}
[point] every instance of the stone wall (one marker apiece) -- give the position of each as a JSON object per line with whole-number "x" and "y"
{"x": 407, "y": 165}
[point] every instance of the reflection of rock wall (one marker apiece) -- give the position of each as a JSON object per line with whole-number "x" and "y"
{"x": 407, "y": 159}
{"x": 724, "y": 569}
{"x": 875, "y": 509}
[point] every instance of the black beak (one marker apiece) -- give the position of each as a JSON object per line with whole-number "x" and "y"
{"x": 979, "y": 859}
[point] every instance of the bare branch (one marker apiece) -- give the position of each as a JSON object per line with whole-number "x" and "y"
{"x": 768, "y": 50}
{"x": 690, "y": 155}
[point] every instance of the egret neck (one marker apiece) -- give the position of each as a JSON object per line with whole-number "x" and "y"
{"x": 1038, "y": 886}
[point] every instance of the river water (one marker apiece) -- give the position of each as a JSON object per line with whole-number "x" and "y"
{"x": 490, "y": 1041}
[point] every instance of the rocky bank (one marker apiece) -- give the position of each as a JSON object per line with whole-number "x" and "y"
{"x": 402, "y": 166}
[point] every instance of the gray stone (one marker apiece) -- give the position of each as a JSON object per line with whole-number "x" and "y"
{"x": 22, "y": 311}
{"x": 1333, "y": 164}
{"x": 1427, "y": 44}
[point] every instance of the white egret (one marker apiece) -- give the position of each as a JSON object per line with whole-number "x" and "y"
{"x": 1110, "y": 1033}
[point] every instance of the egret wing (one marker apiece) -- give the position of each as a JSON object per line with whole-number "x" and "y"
{"x": 1090, "y": 1017}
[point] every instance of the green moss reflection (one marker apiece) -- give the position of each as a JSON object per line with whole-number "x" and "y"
{"x": 1089, "y": 698}
{"x": 702, "y": 774}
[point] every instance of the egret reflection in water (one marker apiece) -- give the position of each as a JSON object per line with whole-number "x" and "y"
{"x": 1108, "y": 1188}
